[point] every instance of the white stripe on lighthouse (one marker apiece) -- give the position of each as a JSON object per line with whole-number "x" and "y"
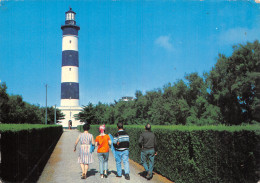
{"x": 69, "y": 102}
{"x": 70, "y": 43}
{"x": 69, "y": 74}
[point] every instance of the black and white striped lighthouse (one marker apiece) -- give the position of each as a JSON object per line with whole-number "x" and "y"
{"x": 70, "y": 68}
{"x": 70, "y": 62}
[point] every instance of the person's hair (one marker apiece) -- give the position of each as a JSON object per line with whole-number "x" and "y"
{"x": 100, "y": 130}
{"x": 86, "y": 127}
{"x": 148, "y": 127}
{"x": 120, "y": 125}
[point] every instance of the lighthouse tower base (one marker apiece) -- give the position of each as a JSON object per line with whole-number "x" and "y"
{"x": 69, "y": 112}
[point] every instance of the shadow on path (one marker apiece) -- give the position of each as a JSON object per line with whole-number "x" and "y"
{"x": 91, "y": 172}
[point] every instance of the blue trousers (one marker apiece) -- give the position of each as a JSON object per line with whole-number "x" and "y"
{"x": 148, "y": 155}
{"x": 103, "y": 162}
{"x": 122, "y": 156}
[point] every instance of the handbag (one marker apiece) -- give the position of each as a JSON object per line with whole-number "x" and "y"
{"x": 112, "y": 145}
{"x": 92, "y": 148}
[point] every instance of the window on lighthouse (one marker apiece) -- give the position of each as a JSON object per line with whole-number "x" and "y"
{"x": 70, "y": 16}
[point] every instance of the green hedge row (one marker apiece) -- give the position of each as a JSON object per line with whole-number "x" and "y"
{"x": 200, "y": 154}
{"x": 25, "y": 149}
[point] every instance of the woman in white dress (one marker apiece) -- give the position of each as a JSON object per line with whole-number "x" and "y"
{"x": 85, "y": 155}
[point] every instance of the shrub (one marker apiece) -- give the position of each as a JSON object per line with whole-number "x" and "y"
{"x": 200, "y": 154}
{"x": 25, "y": 149}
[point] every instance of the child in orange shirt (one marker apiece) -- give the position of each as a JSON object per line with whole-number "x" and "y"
{"x": 102, "y": 142}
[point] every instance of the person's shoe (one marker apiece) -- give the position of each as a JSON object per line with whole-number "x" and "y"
{"x": 149, "y": 176}
{"x": 83, "y": 176}
{"x": 101, "y": 176}
{"x": 144, "y": 173}
{"x": 105, "y": 174}
{"x": 118, "y": 176}
{"x": 127, "y": 177}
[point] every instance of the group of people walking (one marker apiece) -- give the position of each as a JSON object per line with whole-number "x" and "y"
{"x": 120, "y": 147}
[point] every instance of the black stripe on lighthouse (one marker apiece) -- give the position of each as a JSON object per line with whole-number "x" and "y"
{"x": 69, "y": 90}
{"x": 70, "y": 58}
{"x": 70, "y": 30}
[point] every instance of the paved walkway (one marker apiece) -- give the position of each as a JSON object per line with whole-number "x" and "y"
{"x": 62, "y": 166}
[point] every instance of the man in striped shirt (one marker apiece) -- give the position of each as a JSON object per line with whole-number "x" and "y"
{"x": 121, "y": 145}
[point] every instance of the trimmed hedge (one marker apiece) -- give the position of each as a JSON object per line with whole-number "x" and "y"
{"x": 223, "y": 156}
{"x": 200, "y": 154}
{"x": 25, "y": 149}
{"x": 19, "y": 127}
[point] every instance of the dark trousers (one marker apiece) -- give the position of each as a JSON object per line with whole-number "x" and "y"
{"x": 147, "y": 158}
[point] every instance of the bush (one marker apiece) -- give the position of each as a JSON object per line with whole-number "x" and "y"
{"x": 199, "y": 153}
{"x": 232, "y": 156}
{"x": 25, "y": 149}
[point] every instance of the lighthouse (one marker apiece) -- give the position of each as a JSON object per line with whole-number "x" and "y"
{"x": 69, "y": 104}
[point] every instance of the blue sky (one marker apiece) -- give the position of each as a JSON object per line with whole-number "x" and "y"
{"x": 124, "y": 46}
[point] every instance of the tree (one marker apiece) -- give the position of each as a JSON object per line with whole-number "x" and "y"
{"x": 225, "y": 95}
{"x": 138, "y": 94}
{"x": 32, "y": 114}
{"x": 50, "y": 115}
{"x": 141, "y": 112}
{"x": 196, "y": 88}
{"x": 16, "y": 110}
{"x": 100, "y": 110}
{"x": 3, "y": 102}
{"x": 109, "y": 114}
{"x": 232, "y": 85}
{"x": 88, "y": 114}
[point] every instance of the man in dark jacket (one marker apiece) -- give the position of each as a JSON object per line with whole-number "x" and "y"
{"x": 121, "y": 145}
{"x": 147, "y": 142}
